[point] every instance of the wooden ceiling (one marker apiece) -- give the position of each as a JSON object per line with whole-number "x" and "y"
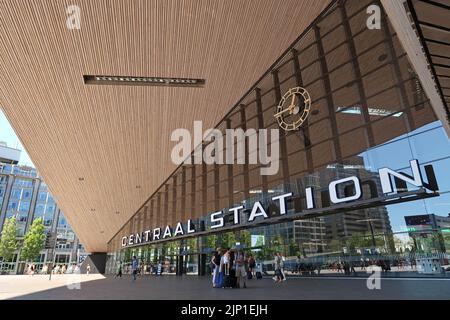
{"x": 118, "y": 137}
{"x": 434, "y": 27}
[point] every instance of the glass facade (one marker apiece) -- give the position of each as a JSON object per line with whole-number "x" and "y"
{"x": 19, "y": 202}
{"x": 368, "y": 111}
{"x": 24, "y": 195}
{"x": 45, "y": 206}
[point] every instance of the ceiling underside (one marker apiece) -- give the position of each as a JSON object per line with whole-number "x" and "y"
{"x": 118, "y": 137}
{"x": 433, "y": 22}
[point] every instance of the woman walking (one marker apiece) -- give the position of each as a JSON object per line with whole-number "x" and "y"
{"x": 215, "y": 264}
{"x": 224, "y": 275}
{"x": 277, "y": 264}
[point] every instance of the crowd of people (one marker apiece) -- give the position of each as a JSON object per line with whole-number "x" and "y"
{"x": 136, "y": 268}
{"x": 346, "y": 267}
{"x": 232, "y": 269}
{"x": 57, "y": 269}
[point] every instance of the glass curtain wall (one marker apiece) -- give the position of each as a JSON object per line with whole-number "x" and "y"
{"x": 368, "y": 111}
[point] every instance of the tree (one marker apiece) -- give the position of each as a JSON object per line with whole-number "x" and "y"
{"x": 33, "y": 241}
{"x": 8, "y": 241}
{"x": 245, "y": 238}
{"x": 210, "y": 242}
{"x": 227, "y": 240}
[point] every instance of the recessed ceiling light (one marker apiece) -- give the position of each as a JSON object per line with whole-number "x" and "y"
{"x": 138, "y": 187}
{"x": 117, "y": 212}
{"x": 81, "y": 179}
{"x": 156, "y": 81}
{"x": 92, "y": 209}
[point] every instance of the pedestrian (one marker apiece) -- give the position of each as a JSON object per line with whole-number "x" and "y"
{"x": 277, "y": 267}
{"x": 134, "y": 267}
{"x": 251, "y": 264}
{"x": 241, "y": 274}
{"x": 119, "y": 270}
{"x": 352, "y": 267}
{"x": 339, "y": 267}
{"x": 282, "y": 259}
{"x": 225, "y": 268}
{"x": 215, "y": 266}
{"x": 297, "y": 265}
{"x": 88, "y": 269}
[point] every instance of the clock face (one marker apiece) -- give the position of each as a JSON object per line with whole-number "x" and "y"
{"x": 293, "y": 108}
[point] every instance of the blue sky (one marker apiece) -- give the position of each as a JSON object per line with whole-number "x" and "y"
{"x": 8, "y": 135}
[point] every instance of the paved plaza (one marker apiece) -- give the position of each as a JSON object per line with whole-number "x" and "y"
{"x": 198, "y": 288}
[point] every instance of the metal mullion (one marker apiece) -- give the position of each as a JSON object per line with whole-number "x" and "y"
{"x": 401, "y": 90}
{"x": 401, "y": 82}
{"x": 259, "y": 113}
{"x": 320, "y": 78}
{"x": 153, "y": 213}
{"x": 246, "y": 173}
{"x": 330, "y": 103}
{"x": 145, "y": 219}
{"x": 283, "y": 143}
{"x": 357, "y": 73}
{"x": 174, "y": 214}
{"x": 183, "y": 193}
{"x": 204, "y": 187}
{"x": 363, "y": 8}
{"x": 230, "y": 171}
{"x": 166, "y": 204}
{"x": 216, "y": 185}
{"x": 305, "y": 127}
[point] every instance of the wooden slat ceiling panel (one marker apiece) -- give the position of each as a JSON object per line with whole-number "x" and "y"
{"x": 434, "y": 23}
{"x": 118, "y": 137}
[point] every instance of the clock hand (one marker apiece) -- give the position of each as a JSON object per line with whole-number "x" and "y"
{"x": 293, "y": 101}
{"x": 290, "y": 108}
{"x": 282, "y": 111}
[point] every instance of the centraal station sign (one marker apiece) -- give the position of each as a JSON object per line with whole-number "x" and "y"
{"x": 257, "y": 211}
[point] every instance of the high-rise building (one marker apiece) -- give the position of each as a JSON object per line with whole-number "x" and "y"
{"x": 429, "y": 232}
{"x": 25, "y": 195}
{"x": 359, "y": 222}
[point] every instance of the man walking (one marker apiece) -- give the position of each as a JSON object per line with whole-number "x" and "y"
{"x": 134, "y": 267}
